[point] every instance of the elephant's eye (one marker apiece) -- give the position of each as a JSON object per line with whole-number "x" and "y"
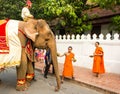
{"x": 46, "y": 39}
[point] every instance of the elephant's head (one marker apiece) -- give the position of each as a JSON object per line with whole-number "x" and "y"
{"x": 42, "y": 36}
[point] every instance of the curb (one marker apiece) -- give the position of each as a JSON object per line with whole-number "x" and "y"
{"x": 97, "y": 88}
{"x": 88, "y": 85}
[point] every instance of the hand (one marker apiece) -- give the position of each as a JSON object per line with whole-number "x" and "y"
{"x": 91, "y": 56}
{"x": 58, "y": 54}
{"x": 30, "y": 16}
{"x": 74, "y": 60}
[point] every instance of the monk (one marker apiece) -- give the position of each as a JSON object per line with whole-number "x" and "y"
{"x": 98, "y": 61}
{"x": 68, "y": 67}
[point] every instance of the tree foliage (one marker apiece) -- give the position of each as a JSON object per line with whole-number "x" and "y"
{"x": 107, "y": 3}
{"x": 68, "y": 13}
{"x": 115, "y": 25}
{"x": 11, "y": 9}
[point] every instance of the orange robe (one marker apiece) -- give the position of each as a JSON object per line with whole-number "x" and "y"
{"x": 98, "y": 62}
{"x": 68, "y": 67}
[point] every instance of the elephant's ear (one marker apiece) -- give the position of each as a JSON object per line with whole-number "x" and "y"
{"x": 30, "y": 30}
{"x": 32, "y": 35}
{"x": 43, "y": 26}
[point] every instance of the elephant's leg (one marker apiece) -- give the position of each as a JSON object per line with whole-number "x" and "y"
{"x": 30, "y": 72}
{"x": 53, "y": 50}
{"x": 21, "y": 72}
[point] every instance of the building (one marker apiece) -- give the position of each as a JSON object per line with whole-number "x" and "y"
{"x": 101, "y": 19}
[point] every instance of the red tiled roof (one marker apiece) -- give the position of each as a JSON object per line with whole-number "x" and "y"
{"x": 99, "y": 12}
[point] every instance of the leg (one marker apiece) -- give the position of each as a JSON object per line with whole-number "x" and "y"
{"x": 62, "y": 79}
{"x": 53, "y": 70}
{"x": 46, "y": 70}
{"x": 33, "y": 64}
{"x": 21, "y": 73}
{"x": 97, "y": 74}
{"x": 30, "y": 72}
{"x": 43, "y": 69}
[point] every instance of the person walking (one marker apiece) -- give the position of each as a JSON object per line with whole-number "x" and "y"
{"x": 98, "y": 60}
{"x": 47, "y": 62}
{"x": 68, "y": 66}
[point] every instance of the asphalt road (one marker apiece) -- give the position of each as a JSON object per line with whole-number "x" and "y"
{"x": 41, "y": 86}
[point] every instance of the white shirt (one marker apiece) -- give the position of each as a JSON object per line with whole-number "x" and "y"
{"x": 25, "y": 13}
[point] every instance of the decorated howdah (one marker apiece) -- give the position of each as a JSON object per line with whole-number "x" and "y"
{"x": 10, "y": 46}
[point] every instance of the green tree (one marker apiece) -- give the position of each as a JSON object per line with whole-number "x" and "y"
{"x": 107, "y": 3}
{"x": 11, "y": 9}
{"x": 115, "y": 24}
{"x": 69, "y": 14}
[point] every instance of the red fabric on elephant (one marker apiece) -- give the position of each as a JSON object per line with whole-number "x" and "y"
{"x": 4, "y": 49}
{"x": 11, "y": 56}
{"x": 29, "y": 50}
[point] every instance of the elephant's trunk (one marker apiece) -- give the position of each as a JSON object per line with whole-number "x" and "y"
{"x": 55, "y": 63}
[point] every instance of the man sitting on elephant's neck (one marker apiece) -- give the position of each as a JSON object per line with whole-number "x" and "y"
{"x": 26, "y": 15}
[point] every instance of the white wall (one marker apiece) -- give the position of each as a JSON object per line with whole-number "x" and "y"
{"x": 83, "y": 46}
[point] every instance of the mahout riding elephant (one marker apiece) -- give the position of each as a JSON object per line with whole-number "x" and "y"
{"x": 38, "y": 34}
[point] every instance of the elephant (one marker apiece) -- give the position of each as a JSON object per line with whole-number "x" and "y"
{"x": 38, "y": 32}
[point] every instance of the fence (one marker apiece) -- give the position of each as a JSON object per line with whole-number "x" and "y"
{"x": 83, "y": 46}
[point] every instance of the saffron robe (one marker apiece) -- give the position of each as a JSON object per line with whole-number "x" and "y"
{"x": 68, "y": 67}
{"x": 98, "y": 62}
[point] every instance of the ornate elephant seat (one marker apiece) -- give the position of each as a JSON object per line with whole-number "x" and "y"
{"x": 10, "y": 46}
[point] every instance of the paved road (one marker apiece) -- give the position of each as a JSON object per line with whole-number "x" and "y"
{"x": 41, "y": 86}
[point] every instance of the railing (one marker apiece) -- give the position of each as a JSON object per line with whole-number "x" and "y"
{"x": 83, "y": 46}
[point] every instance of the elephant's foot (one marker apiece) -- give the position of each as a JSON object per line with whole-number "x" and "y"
{"x": 57, "y": 88}
{"x": 2, "y": 69}
{"x": 21, "y": 85}
{"x": 29, "y": 79}
{"x": 28, "y": 83}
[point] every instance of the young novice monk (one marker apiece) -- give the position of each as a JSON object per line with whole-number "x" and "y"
{"x": 98, "y": 61}
{"x": 68, "y": 67}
